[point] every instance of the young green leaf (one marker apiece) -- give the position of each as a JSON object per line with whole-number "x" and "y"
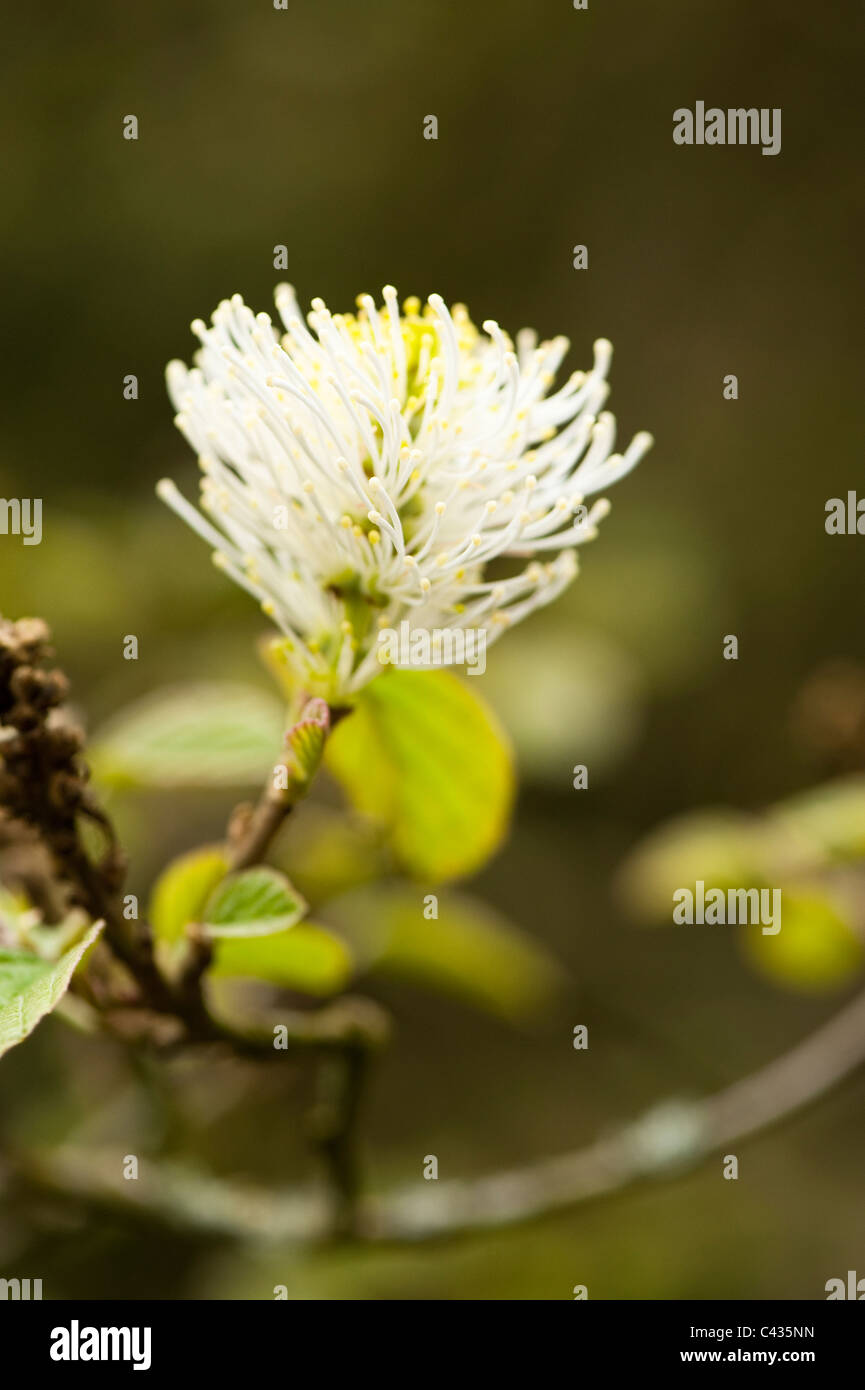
{"x": 257, "y": 902}
{"x": 827, "y": 822}
{"x": 328, "y": 852}
{"x": 467, "y": 950}
{"x": 816, "y": 950}
{"x": 422, "y": 754}
{"x": 206, "y": 735}
{"x": 308, "y": 958}
{"x": 182, "y": 889}
{"x": 726, "y": 849}
{"x": 31, "y": 987}
{"x": 303, "y": 747}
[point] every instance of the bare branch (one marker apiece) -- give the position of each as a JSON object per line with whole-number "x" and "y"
{"x": 670, "y": 1138}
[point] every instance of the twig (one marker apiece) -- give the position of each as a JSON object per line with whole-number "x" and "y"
{"x": 356, "y": 1027}
{"x": 335, "y": 1131}
{"x": 43, "y": 783}
{"x": 669, "y": 1139}
{"x": 259, "y": 828}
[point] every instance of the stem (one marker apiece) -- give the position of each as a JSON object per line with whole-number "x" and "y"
{"x": 341, "y": 1084}
{"x": 346, "y": 1037}
{"x": 132, "y": 942}
{"x": 43, "y": 781}
{"x": 259, "y": 831}
{"x": 440, "y": 1211}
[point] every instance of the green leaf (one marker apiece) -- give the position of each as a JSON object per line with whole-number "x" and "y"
{"x": 424, "y": 756}
{"x": 328, "y": 853}
{"x": 206, "y": 735}
{"x": 307, "y": 958}
{"x": 303, "y": 747}
{"x": 723, "y": 848}
{"x": 257, "y": 902}
{"x": 183, "y": 888}
{"x": 816, "y": 950}
{"x": 469, "y": 950}
{"x": 18, "y": 921}
{"x": 31, "y": 987}
{"x": 826, "y": 822}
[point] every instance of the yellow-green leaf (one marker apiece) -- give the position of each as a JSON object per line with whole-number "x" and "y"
{"x": 815, "y": 950}
{"x": 468, "y": 950}
{"x": 182, "y": 890}
{"x": 827, "y": 822}
{"x": 423, "y": 755}
{"x": 208, "y": 735}
{"x": 723, "y": 848}
{"x": 307, "y": 958}
{"x": 328, "y": 852}
{"x": 303, "y": 747}
{"x": 257, "y": 902}
{"x": 31, "y": 987}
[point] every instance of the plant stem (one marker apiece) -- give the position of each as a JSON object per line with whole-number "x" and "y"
{"x": 341, "y": 1083}
{"x": 260, "y": 830}
{"x": 438, "y": 1211}
{"x": 44, "y": 783}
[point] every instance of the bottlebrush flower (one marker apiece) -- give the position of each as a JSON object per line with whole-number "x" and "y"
{"x": 366, "y": 472}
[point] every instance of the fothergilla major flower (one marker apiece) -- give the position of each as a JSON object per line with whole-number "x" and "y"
{"x": 364, "y": 470}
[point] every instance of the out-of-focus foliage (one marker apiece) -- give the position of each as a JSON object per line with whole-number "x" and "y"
{"x": 213, "y": 735}
{"x": 34, "y": 980}
{"x": 258, "y": 902}
{"x": 811, "y": 847}
{"x": 467, "y": 949}
{"x": 307, "y": 958}
{"x": 253, "y": 919}
{"x": 425, "y": 757}
{"x": 564, "y": 700}
{"x": 182, "y": 890}
{"x": 721, "y": 847}
{"x": 816, "y": 948}
{"x": 327, "y": 852}
{"x": 429, "y": 777}
{"x": 826, "y": 823}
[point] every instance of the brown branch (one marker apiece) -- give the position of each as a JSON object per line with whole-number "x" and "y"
{"x": 43, "y": 785}
{"x": 254, "y": 832}
{"x": 668, "y": 1140}
{"x": 359, "y": 1028}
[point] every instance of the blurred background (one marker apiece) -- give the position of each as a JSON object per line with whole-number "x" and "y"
{"x": 304, "y": 128}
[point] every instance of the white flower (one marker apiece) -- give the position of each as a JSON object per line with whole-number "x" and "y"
{"x": 366, "y": 472}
